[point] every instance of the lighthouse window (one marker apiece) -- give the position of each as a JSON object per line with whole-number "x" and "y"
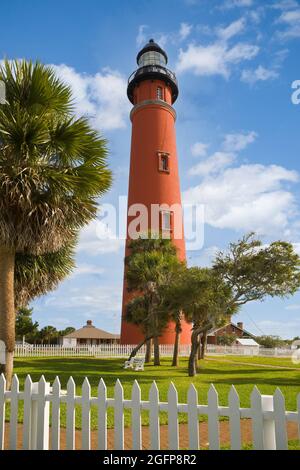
{"x": 163, "y": 162}
{"x": 166, "y": 220}
{"x": 159, "y": 93}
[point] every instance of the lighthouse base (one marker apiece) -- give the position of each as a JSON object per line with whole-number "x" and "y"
{"x": 131, "y": 334}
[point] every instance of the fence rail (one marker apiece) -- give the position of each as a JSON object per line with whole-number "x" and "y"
{"x": 267, "y": 413}
{"x": 124, "y": 350}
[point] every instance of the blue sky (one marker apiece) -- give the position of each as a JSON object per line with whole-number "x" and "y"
{"x": 237, "y": 128}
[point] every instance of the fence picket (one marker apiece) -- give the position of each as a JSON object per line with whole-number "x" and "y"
{"x": 154, "y": 417}
{"x": 234, "y": 419}
{"x": 43, "y": 415}
{"x": 280, "y": 421}
{"x": 13, "y": 429}
{"x": 173, "y": 430}
{"x": 86, "y": 416}
{"x": 70, "y": 430}
{"x": 213, "y": 419}
{"x": 55, "y": 428}
{"x": 193, "y": 423}
{"x": 102, "y": 416}
{"x": 27, "y": 413}
{"x": 118, "y": 416}
{"x": 136, "y": 416}
{"x": 257, "y": 419}
{"x": 2, "y": 410}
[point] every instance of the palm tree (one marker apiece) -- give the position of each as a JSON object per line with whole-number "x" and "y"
{"x": 52, "y": 170}
{"x": 35, "y": 275}
{"x": 48, "y": 333}
{"x": 147, "y": 272}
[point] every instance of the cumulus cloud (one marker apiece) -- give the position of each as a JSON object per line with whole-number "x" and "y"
{"x": 232, "y": 30}
{"x": 199, "y": 149}
{"x": 238, "y": 141}
{"x": 213, "y": 164}
{"x": 141, "y": 36}
{"x": 217, "y": 58}
{"x": 101, "y": 97}
{"x": 228, "y": 4}
{"x": 291, "y": 20}
{"x": 249, "y": 197}
{"x": 184, "y": 31}
{"x": 259, "y": 74}
{"x": 96, "y": 238}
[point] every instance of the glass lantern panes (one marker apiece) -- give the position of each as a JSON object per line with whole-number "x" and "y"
{"x": 152, "y": 58}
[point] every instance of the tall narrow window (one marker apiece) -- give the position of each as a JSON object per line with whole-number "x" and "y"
{"x": 159, "y": 93}
{"x": 166, "y": 221}
{"x": 163, "y": 162}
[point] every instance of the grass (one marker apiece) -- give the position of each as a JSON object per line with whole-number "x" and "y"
{"x": 222, "y": 374}
{"x": 272, "y": 361}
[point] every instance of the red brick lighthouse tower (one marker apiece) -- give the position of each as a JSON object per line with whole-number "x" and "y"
{"x": 153, "y": 178}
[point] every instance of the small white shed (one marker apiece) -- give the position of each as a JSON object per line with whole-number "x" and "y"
{"x": 249, "y": 346}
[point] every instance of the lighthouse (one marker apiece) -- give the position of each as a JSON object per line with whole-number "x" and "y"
{"x": 153, "y": 177}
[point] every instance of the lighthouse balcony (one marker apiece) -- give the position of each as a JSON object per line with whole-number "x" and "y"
{"x": 153, "y": 72}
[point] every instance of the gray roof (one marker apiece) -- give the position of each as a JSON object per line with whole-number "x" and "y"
{"x": 89, "y": 331}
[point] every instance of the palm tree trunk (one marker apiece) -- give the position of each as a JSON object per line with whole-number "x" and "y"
{"x": 138, "y": 347}
{"x": 7, "y": 310}
{"x": 176, "y": 343}
{"x": 156, "y": 351}
{"x": 203, "y": 344}
{"x": 193, "y": 355}
{"x": 148, "y": 351}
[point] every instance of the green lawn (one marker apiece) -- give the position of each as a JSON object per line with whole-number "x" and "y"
{"x": 273, "y": 361}
{"x": 221, "y": 374}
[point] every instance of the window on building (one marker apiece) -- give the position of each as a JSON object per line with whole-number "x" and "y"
{"x": 163, "y": 162}
{"x": 166, "y": 221}
{"x": 159, "y": 93}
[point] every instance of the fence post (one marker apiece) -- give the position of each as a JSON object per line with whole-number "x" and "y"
{"x": 34, "y": 418}
{"x": 268, "y": 424}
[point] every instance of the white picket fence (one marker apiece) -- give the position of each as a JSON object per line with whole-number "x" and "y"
{"x": 267, "y": 413}
{"x": 103, "y": 350}
{"x": 124, "y": 350}
{"x": 248, "y": 351}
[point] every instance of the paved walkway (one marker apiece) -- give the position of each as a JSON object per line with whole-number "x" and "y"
{"x": 246, "y": 430}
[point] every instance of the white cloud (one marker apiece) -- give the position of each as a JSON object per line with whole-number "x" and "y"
{"x": 287, "y": 328}
{"x": 259, "y": 74}
{"x": 199, "y": 149}
{"x": 293, "y": 307}
{"x": 82, "y": 269}
{"x": 214, "y": 59}
{"x": 141, "y": 37}
{"x": 291, "y": 19}
{"x": 238, "y": 141}
{"x": 102, "y": 97}
{"x": 237, "y": 4}
{"x": 249, "y": 197}
{"x": 213, "y": 164}
{"x": 232, "y": 30}
{"x": 185, "y": 31}
{"x": 96, "y": 239}
{"x": 285, "y": 5}
{"x": 101, "y": 300}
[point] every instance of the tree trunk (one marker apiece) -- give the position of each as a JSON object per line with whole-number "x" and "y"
{"x": 156, "y": 351}
{"x": 178, "y": 330}
{"x": 199, "y": 349}
{"x": 193, "y": 355}
{"x": 7, "y": 310}
{"x": 138, "y": 347}
{"x": 203, "y": 344}
{"x": 148, "y": 354}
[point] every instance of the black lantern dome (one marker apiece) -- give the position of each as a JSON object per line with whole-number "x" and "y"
{"x": 152, "y": 61}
